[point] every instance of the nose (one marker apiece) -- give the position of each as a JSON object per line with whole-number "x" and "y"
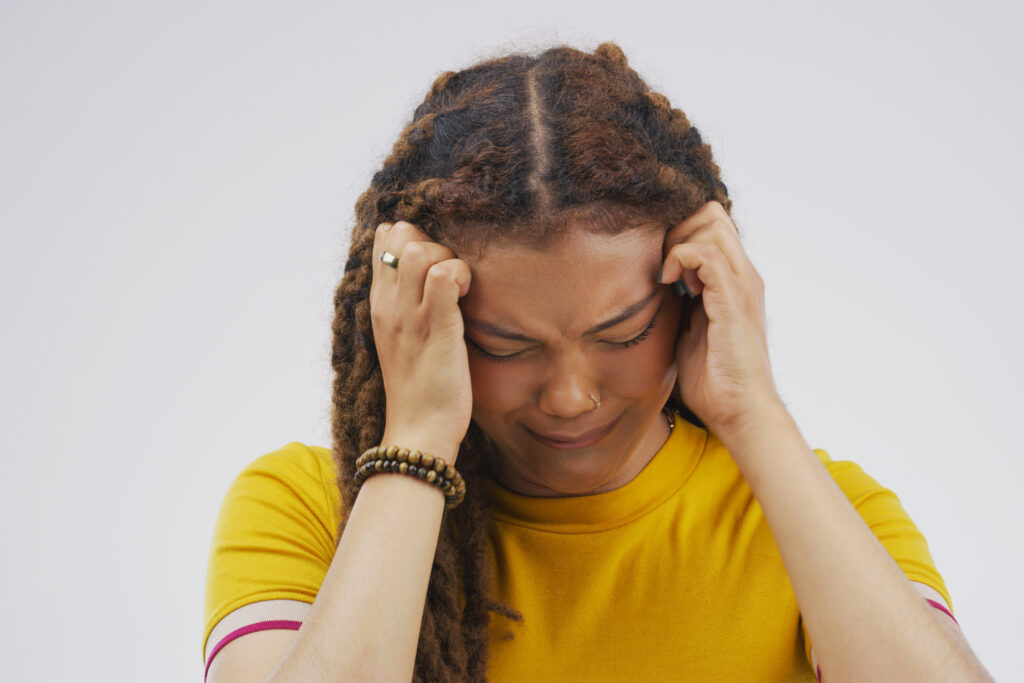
{"x": 567, "y": 389}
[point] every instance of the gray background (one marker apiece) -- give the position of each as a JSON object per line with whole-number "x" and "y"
{"x": 178, "y": 182}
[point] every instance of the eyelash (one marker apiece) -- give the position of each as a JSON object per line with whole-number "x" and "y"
{"x": 621, "y": 345}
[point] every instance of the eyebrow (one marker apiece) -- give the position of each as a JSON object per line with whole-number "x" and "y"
{"x": 623, "y": 316}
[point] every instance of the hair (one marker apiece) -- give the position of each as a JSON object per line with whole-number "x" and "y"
{"x": 512, "y": 148}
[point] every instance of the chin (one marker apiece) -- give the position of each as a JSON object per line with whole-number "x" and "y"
{"x": 577, "y": 474}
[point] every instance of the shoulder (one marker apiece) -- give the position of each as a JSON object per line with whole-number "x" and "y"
{"x": 294, "y": 460}
{"x": 295, "y": 477}
{"x": 275, "y": 533}
{"x": 859, "y": 486}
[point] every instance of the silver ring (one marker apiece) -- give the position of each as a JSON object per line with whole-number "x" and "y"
{"x": 389, "y": 259}
{"x": 597, "y": 401}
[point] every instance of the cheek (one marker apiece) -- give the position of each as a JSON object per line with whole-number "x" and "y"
{"x": 649, "y": 367}
{"x": 497, "y": 387}
{"x": 645, "y": 369}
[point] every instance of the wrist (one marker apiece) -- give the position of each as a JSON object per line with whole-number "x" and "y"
{"x": 425, "y": 441}
{"x": 770, "y": 417}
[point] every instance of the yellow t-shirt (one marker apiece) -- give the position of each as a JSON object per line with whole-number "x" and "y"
{"x": 674, "y": 576}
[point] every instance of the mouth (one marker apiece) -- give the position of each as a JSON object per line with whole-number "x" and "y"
{"x": 576, "y": 441}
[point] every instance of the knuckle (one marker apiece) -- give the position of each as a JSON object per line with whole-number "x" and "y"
{"x": 413, "y": 251}
{"x": 438, "y": 274}
{"x": 406, "y": 229}
{"x": 721, "y": 224}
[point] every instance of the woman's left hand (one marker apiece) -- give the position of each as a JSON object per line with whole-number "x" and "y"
{"x": 725, "y": 376}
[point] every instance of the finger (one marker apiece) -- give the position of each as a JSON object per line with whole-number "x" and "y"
{"x": 712, "y": 223}
{"x": 416, "y": 253}
{"x": 378, "y": 246}
{"x": 390, "y": 237}
{"x": 709, "y": 264}
{"x": 446, "y": 282}
{"x": 416, "y": 260}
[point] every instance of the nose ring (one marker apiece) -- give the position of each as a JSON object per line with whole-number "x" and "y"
{"x": 597, "y": 402}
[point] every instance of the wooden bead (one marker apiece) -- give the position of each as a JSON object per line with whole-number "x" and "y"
{"x": 425, "y": 466}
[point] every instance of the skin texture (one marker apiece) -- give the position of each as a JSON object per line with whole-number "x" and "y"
{"x": 554, "y": 297}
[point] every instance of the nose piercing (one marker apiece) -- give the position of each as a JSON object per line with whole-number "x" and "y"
{"x": 597, "y": 402}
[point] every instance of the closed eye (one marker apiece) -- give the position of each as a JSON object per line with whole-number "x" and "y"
{"x": 619, "y": 345}
{"x": 638, "y": 338}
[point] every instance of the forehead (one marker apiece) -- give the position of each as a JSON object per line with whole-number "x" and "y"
{"x": 578, "y": 278}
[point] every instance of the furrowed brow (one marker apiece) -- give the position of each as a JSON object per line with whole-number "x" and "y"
{"x": 621, "y": 317}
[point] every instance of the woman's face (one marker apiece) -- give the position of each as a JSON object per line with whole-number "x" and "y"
{"x": 584, "y": 317}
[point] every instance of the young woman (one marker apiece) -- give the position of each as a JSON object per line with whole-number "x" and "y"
{"x": 548, "y": 313}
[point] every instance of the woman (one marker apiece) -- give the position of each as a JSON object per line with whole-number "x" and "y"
{"x": 545, "y": 291}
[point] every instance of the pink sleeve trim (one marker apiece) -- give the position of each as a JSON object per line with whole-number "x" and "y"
{"x": 942, "y": 607}
{"x": 251, "y": 628}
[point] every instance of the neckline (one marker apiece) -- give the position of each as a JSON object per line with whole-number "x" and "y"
{"x": 667, "y": 471}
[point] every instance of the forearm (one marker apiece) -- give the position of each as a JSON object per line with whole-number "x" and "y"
{"x": 865, "y": 620}
{"x": 365, "y": 621}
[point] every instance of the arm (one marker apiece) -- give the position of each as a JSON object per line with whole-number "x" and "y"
{"x": 865, "y": 619}
{"x": 368, "y": 622}
{"x": 386, "y": 551}
{"x": 375, "y": 580}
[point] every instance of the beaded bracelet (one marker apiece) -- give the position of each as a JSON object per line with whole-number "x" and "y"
{"x": 429, "y": 468}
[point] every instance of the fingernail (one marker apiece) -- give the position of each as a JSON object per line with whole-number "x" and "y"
{"x": 682, "y": 288}
{"x": 660, "y": 271}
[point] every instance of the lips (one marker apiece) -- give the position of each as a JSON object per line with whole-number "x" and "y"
{"x": 582, "y": 440}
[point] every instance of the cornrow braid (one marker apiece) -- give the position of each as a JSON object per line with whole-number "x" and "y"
{"x": 513, "y": 148}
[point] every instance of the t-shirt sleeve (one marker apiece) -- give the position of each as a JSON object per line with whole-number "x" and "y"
{"x": 892, "y": 526}
{"x": 273, "y": 541}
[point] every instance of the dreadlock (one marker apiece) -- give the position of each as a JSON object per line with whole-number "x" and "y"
{"x": 515, "y": 148}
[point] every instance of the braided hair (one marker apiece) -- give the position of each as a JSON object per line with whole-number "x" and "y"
{"x": 515, "y": 148}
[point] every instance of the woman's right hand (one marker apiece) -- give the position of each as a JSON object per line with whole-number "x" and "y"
{"x": 418, "y": 331}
